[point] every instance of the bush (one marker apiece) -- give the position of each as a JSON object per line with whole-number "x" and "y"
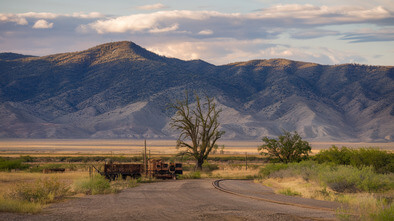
{"x": 351, "y": 179}
{"x": 42, "y": 191}
{"x": 289, "y": 192}
{"x": 271, "y": 168}
{"x": 381, "y": 161}
{"x": 209, "y": 167}
{"x": 18, "y": 206}
{"x": 8, "y": 165}
{"x": 96, "y": 185}
{"x": 335, "y": 155}
{"x": 340, "y": 178}
{"x": 192, "y": 175}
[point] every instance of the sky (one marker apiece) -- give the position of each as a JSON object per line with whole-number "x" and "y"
{"x": 219, "y": 32}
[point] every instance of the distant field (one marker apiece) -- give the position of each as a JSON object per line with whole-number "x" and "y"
{"x": 132, "y": 147}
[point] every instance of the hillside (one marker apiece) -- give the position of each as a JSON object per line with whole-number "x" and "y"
{"x": 120, "y": 90}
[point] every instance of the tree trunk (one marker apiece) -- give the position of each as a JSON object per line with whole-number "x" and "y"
{"x": 199, "y": 164}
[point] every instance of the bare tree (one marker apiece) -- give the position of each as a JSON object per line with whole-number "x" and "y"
{"x": 199, "y": 127}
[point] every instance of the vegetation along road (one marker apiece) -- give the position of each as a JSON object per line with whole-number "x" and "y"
{"x": 188, "y": 200}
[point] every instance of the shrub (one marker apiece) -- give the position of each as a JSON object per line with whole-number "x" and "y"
{"x": 41, "y": 191}
{"x": 8, "y": 165}
{"x": 335, "y": 155}
{"x": 192, "y": 175}
{"x": 18, "y": 206}
{"x": 96, "y": 185}
{"x": 271, "y": 168}
{"x": 289, "y": 192}
{"x": 351, "y": 179}
{"x": 209, "y": 167}
{"x": 381, "y": 161}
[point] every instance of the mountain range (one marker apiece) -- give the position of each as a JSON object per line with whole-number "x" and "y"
{"x": 121, "y": 90}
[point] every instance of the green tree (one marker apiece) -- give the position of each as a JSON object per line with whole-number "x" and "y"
{"x": 289, "y": 147}
{"x": 199, "y": 127}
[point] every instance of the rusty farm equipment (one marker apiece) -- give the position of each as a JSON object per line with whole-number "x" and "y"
{"x": 162, "y": 170}
{"x": 154, "y": 168}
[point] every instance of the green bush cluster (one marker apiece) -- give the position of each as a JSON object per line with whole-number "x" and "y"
{"x": 208, "y": 167}
{"x": 272, "y": 168}
{"x": 8, "y": 165}
{"x": 42, "y": 191}
{"x": 341, "y": 178}
{"x": 96, "y": 185}
{"x": 344, "y": 178}
{"x": 381, "y": 161}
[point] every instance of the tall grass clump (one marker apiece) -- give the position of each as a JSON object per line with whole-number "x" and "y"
{"x": 92, "y": 186}
{"x": 18, "y": 206}
{"x": 41, "y": 191}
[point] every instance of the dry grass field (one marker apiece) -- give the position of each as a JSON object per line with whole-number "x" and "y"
{"x": 133, "y": 147}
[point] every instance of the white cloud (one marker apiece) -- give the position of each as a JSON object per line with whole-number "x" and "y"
{"x": 165, "y": 29}
{"x": 13, "y": 18}
{"x": 205, "y": 32}
{"x": 39, "y": 15}
{"x": 84, "y": 15}
{"x": 148, "y": 22}
{"x": 21, "y": 18}
{"x": 284, "y": 16}
{"x": 151, "y": 7}
{"x": 223, "y": 51}
{"x": 42, "y": 24}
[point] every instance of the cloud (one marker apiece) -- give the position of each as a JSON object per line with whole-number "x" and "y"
{"x": 42, "y": 24}
{"x": 223, "y": 51}
{"x": 313, "y": 33}
{"x": 205, "y": 32}
{"x": 248, "y": 25}
{"x": 87, "y": 16}
{"x": 370, "y": 35}
{"x": 13, "y": 18}
{"x": 151, "y": 7}
{"x": 21, "y": 18}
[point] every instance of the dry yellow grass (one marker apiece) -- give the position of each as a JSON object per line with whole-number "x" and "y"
{"x": 8, "y": 180}
{"x": 49, "y": 147}
{"x": 297, "y": 184}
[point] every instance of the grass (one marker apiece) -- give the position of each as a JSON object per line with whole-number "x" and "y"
{"x": 365, "y": 192}
{"x": 18, "y": 206}
{"x": 289, "y": 192}
{"x": 93, "y": 186}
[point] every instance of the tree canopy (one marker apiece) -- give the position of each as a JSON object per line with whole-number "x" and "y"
{"x": 289, "y": 147}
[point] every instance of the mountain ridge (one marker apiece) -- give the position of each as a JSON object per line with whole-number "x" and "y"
{"x": 120, "y": 90}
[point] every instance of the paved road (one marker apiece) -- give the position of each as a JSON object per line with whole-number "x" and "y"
{"x": 184, "y": 200}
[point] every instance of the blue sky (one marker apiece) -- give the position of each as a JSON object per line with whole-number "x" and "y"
{"x": 219, "y": 32}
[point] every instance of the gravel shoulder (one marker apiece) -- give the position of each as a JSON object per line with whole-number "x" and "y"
{"x": 180, "y": 200}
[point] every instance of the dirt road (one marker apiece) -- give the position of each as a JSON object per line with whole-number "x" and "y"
{"x": 187, "y": 200}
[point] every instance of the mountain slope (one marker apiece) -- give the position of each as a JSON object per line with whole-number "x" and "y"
{"x": 120, "y": 90}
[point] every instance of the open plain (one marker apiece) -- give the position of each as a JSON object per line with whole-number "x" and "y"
{"x": 52, "y": 147}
